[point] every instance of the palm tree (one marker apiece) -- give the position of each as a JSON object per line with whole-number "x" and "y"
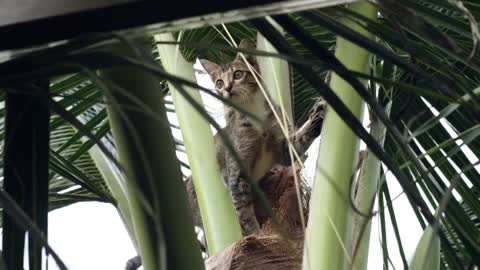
{"x": 412, "y": 64}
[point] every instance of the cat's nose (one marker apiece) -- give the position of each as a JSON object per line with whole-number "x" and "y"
{"x": 228, "y": 87}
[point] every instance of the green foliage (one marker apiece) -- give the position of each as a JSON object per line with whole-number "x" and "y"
{"x": 424, "y": 61}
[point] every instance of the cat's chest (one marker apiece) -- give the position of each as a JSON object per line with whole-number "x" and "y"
{"x": 261, "y": 143}
{"x": 257, "y": 106}
{"x": 263, "y": 162}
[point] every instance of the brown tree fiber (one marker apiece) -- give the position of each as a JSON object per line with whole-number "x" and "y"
{"x": 279, "y": 246}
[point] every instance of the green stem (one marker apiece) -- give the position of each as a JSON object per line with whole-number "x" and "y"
{"x": 383, "y": 227}
{"x": 393, "y": 219}
{"x": 327, "y": 236}
{"x": 276, "y": 76}
{"x": 146, "y": 149}
{"x": 427, "y": 253}
{"x": 368, "y": 183}
{"x": 218, "y": 214}
{"x": 117, "y": 188}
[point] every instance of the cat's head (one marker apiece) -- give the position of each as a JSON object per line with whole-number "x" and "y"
{"x": 234, "y": 80}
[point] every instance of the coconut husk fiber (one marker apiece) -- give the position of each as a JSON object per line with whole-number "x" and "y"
{"x": 280, "y": 242}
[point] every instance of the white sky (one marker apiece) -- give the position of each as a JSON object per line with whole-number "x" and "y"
{"x": 89, "y": 236}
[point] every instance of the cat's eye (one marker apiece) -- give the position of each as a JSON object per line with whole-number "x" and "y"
{"x": 238, "y": 74}
{"x": 219, "y": 84}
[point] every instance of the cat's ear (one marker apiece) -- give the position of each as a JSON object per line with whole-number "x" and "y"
{"x": 210, "y": 67}
{"x": 247, "y": 45}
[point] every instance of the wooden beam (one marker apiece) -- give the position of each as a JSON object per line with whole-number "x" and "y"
{"x": 26, "y": 27}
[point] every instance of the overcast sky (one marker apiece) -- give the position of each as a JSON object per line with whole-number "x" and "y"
{"x": 89, "y": 236}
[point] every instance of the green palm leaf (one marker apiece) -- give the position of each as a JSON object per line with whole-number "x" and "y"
{"x": 422, "y": 63}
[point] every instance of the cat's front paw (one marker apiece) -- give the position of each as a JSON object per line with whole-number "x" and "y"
{"x": 318, "y": 110}
{"x": 250, "y": 226}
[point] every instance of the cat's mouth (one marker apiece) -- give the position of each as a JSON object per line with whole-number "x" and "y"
{"x": 237, "y": 96}
{"x": 230, "y": 94}
{"x": 227, "y": 95}
{"x": 233, "y": 96}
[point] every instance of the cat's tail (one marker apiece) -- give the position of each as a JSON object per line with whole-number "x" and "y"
{"x": 192, "y": 200}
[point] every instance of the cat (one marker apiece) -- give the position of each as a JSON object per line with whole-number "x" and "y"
{"x": 260, "y": 146}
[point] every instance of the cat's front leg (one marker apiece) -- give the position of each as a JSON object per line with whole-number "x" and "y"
{"x": 304, "y": 136}
{"x": 240, "y": 189}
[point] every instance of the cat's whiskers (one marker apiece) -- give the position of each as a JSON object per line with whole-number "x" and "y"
{"x": 243, "y": 96}
{"x": 228, "y": 109}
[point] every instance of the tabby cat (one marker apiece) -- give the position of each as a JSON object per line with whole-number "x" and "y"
{"x": 260, "y": 146}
